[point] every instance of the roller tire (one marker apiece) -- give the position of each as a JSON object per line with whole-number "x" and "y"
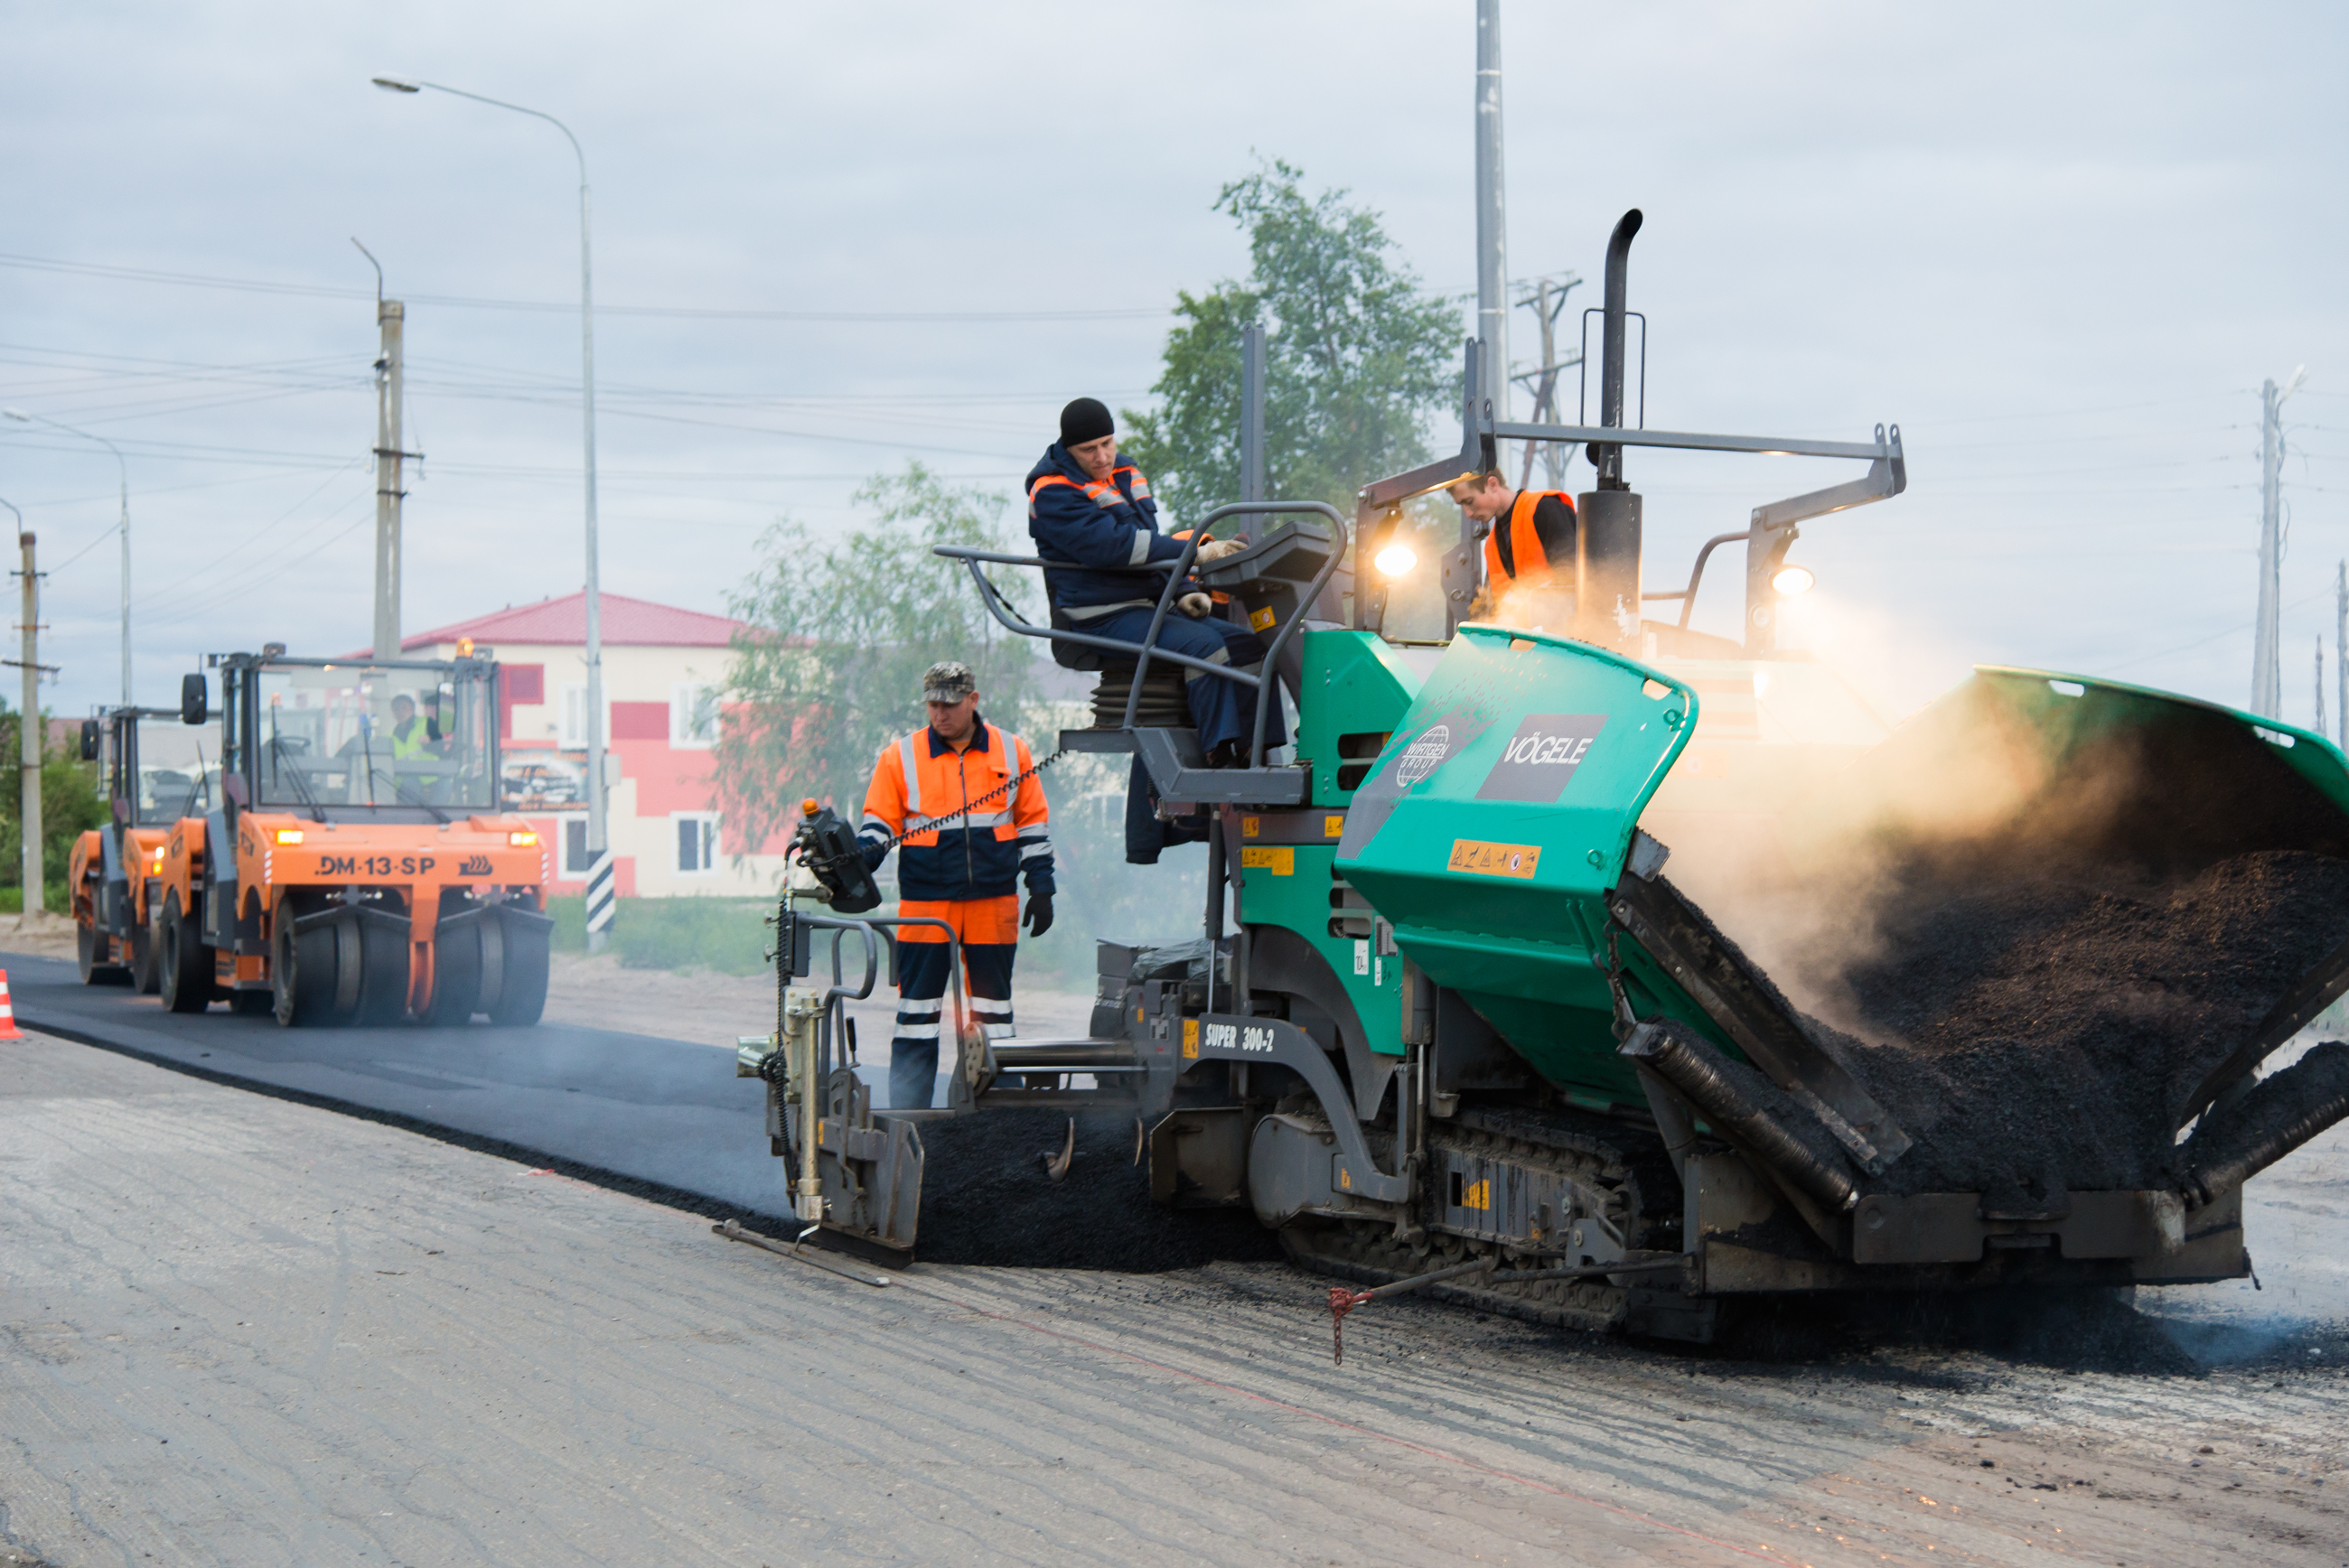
{"x": 184, "y": 963}
{"x": 383, "y": 976}
{"x": 523, "y": 995}
{"x": 303, "y": 972}
{"x": 145, "y": 979}
{"x": 457, "y": 975}
{"x": 93, "y": 973}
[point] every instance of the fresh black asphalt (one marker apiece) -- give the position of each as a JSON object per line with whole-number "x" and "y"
{"x": 667, "y": 1113}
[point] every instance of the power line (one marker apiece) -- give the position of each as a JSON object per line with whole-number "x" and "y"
{"x": 571, "y": 308}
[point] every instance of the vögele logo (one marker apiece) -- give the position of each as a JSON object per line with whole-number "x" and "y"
{"x": 1540, "y": 760}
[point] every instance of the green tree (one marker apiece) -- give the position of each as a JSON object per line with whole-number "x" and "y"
{"x": 1356, "y": 357}
{"x": 71, "y": 804}
{"x": 830, "y": 670}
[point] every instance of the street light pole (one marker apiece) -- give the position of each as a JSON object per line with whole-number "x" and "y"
{"x": 599, "y": 879}
{"x": 124, "y": 469}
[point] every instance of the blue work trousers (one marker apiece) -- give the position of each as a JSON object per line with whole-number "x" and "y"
{"x": 922, "y": 974}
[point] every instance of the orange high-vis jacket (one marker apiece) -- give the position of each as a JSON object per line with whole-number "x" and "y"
{"x": 920, "y": 780}
{"x": 1519, "y": 550}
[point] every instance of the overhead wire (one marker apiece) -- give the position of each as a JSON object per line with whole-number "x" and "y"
{"x": 704, "y": 312}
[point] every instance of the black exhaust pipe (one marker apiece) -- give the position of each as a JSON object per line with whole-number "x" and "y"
{"x": 1609, "y": 460}
{"x": 1607, "y": 540}
{"x": 2279, "y": 1115}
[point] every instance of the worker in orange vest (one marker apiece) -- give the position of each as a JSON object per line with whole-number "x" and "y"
{"x": 1528, "y": 534}
{"x": 957, "y": 865}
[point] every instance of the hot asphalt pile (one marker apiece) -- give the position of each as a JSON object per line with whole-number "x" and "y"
{"x": 986, "y": 1199}
{"x": 2048, "y": 1036}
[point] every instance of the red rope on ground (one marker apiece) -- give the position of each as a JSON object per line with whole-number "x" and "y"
{"x": 1341, "y": 1301}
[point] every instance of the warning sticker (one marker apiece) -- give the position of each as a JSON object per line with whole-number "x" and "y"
{"x": 1477, "y": 858}
{"x": 1280, "y": 863}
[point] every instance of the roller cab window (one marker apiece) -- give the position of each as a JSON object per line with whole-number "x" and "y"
{"x": 383, "y": 737}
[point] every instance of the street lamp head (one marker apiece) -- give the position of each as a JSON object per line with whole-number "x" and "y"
{"x": 394, "y": 85}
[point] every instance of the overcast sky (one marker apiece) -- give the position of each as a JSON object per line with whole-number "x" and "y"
{"x": 2061, "y": 247}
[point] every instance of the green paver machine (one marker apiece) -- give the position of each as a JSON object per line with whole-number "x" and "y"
{"x": 1464, "y": 1026}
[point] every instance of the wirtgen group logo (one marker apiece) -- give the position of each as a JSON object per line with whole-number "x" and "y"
{"x": 1420, "y": 757}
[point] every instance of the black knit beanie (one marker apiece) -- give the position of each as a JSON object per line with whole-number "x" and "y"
{"x": 1086, "y": 419}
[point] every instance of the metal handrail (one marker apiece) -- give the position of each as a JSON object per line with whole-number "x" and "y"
{"x": 1311, "y": 596}
{"x": 1687, "y": 597}
{"x": 996, "y": 607}
{"x": 1178, "y": 573}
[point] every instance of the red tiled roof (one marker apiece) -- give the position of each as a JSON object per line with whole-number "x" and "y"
{"x": 627, "y": 623}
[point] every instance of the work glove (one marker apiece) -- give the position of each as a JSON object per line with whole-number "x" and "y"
{"x": 1194, "y": 604}
{"x": 1217, "y": 549}
{"x": 1039, "y": 918}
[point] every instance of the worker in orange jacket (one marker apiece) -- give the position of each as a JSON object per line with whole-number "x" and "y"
{"x": 959, "y": 867}
{"x": 1530, "y": 535}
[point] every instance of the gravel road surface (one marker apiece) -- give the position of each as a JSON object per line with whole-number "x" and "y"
{"x": 240, "y": 1329}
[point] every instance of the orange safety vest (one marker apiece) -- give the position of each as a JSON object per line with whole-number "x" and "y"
{"x": 919, "y": 794}
{"x": 1531, "y": 562}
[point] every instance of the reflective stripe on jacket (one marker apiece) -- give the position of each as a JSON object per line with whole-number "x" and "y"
{"x": 920, "y": 779}
{"x": 1084, "y": 521}
{"x": 1532, "y": 540}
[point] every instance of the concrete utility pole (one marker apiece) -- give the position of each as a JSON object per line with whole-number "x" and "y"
{"x": 391, "y": 318}
{"x": 29, "y": 732}
{"x": 2320, "y": 726}
{"x": 123, "y": 468}
{"x": 600, "y": 903}
{"x": 1492, "y": 226}
{"x": 1546, "y": 300}
{"x": 2267, "y": 671}
{"x": 2341, "y": 647}
{"x": 1252, "y": 413}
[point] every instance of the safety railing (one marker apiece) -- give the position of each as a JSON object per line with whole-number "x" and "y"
{"x": 1179, "y": 573}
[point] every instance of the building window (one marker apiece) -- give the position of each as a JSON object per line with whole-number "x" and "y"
{"x": 577, "y": 861}
{"x": 692, "y": 717}
{"x": 697, "y": 841}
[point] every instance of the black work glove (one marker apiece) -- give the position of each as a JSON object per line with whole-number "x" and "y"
{"x": 1039, "y": 918}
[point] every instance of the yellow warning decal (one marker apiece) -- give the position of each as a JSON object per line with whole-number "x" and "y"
{"x": 1333, "y": 827}
{"x": 1260, "y": 619}
{"x": 1191, "y": 1038}
{"x": 1251, "y": 825}
{"x": 1477, "y": 1194}
{"x": 1479, "y": 858}
{"x": 1280, "y": 863}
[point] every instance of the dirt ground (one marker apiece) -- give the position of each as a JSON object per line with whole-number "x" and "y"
{"x": 237, "y": 1329}
{"x": 49, "y": 934}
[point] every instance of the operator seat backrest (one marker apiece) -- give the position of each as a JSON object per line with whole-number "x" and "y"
{"x": 1069, "y": 656}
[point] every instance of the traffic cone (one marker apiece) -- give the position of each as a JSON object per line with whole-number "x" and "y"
{"x": 8, "y": 1030}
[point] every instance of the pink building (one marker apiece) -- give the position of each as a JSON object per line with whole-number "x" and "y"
{"x": 662, "y": 670}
